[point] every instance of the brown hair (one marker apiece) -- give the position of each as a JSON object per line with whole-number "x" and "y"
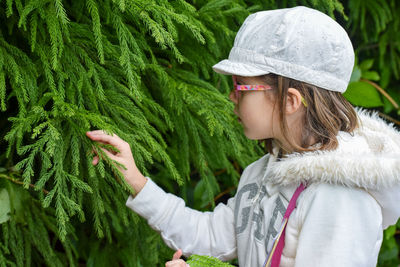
{"x": 326, "y": 114}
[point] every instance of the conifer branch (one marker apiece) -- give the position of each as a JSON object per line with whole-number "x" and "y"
{"x": 383, "y": 92}
{"x": 21, "y": 183}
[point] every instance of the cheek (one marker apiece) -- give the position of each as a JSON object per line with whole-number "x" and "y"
{"x": 256, "y": 114}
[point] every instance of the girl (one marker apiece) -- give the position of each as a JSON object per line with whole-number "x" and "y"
{"x": 289, "y": 68}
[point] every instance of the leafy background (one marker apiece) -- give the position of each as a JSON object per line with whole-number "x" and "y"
{"x": 141, "y": 69}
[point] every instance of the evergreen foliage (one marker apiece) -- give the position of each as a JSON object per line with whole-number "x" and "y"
{"x": 200, "y": 261}
{"x": 140, "y": 69}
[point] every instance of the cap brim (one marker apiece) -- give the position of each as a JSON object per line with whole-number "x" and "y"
{"x": 228, "y": 67}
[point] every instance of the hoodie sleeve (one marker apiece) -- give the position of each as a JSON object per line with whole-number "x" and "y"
{"x": 195, "y": 232}
{"x": 340, "y": 227}
{"x": 388, "y": 199}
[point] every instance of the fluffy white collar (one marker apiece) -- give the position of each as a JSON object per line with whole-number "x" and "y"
{"x": 369, "y": 159}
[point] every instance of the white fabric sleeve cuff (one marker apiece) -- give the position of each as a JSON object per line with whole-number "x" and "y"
{"x": 148, "y": 201}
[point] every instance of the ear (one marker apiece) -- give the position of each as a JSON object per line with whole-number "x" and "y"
{"x": 293, "y": 101}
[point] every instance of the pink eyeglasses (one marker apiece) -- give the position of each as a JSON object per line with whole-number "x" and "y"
{"x": 260, "y": 87}
{"x": 248, "y": 87}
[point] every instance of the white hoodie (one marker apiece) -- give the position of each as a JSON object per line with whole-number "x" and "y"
{"x": 352, "y": 195}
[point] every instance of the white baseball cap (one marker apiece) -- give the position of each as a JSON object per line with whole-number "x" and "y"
{"x": 299, "y": 43}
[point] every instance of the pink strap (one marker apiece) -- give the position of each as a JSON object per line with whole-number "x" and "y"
{"x": 276, "y": 257}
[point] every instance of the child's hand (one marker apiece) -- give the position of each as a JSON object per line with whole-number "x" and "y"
{"x": 176, "y": 262}
{"x": 131, "y": 174}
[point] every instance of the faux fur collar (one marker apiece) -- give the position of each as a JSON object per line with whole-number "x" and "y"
{"x": 370, "y": 158}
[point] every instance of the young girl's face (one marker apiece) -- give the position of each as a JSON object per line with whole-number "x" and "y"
{"x": 255, "y": 109}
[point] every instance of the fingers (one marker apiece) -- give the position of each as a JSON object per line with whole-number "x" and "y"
{"x": 177, "y": 254}
{"x": 109, "y": 154}
{"x": 113, "y": 140}
{"x": 176, "y": 263}
{"x": 101, "y": 136}
{"x": 95, "y": 160}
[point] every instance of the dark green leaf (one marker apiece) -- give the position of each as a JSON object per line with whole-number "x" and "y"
{"x": 5, "y": 207}
{"x": 363, "y": 94}
{"x": 366, "y": 64}
{"x": 371, "y": 75}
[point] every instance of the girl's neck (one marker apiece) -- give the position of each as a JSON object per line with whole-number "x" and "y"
{"x": 284, "y": 150}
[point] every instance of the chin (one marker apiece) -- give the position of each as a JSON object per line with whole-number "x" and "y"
{"x": 254, "y": 137}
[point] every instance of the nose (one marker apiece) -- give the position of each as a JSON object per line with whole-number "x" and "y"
{"x": 232, "y": 97}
